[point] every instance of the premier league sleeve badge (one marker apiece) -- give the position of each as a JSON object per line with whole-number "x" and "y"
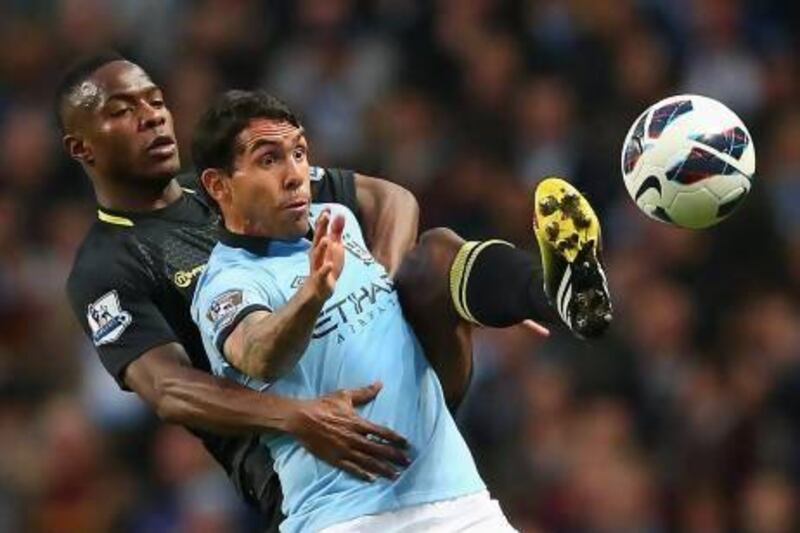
{"x": 107, "y": 319}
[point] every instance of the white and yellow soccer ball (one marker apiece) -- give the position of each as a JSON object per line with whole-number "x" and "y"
{"x": 689, "y": 161}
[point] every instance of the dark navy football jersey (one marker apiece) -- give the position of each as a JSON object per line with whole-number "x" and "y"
{"x": 131, "y": 287}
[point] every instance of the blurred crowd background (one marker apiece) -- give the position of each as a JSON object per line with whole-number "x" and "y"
{"x": 685, "y": 418}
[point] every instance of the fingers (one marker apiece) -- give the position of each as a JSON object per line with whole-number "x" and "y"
{"x": 372, "y": 466}
{"x": 367, "y": 460}
{"x": 365, "y": 394}
{"x": 386, "y": 434}
{"x": 379, "y": 450}
{"x": 366, "y": 450}
{"x": 321, "y": 227}
{"x": 318, "y": 253}
{"x": 535, "y": 328}
{"x": 337, "y": 228}
{"x": 325, "y": 269}
{"x": 353, "y": 469}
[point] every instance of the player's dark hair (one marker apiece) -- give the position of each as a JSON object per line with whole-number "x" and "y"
{"x": 214, "y": 141}
{"x": 76, "y": 74}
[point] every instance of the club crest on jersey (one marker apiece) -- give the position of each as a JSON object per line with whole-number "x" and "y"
{"x": 107, "y": 319}
{"x": 223, "y": 308}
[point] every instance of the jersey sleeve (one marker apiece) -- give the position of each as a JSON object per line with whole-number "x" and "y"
{"x": 221, "y": 303}
{"x": 114, "y": 301}
{"x": 335, "y": 185}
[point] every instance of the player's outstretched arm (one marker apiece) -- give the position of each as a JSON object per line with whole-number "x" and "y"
{"x": 266, "y": 345}
{"x": 390, "y": 216}
{"x": 329, "y": 426}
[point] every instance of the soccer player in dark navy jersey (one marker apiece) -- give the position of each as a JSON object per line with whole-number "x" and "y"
{"x": 134, "y": 276}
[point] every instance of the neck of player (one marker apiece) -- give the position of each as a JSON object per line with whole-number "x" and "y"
{"x": 240, "y": 224}
{"x": 137, "y": 196}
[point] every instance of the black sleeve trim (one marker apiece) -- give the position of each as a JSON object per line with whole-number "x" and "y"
{"x": 227, "y": 330}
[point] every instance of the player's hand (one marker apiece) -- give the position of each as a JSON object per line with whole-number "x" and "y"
{"x": 327, "y": 255}
{"x": 332, "y": 430}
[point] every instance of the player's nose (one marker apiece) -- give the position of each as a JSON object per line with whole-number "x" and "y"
{"x": 294, "y": 176}
{"x": 151, "y": 117}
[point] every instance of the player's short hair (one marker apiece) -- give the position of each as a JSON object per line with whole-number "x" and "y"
{"x": 214, "y": 141}
{"x": 78, "y": 72}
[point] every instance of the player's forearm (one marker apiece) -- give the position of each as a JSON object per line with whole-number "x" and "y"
{"x": 220, "y": 406}
{"x": 391, "y": 219}
{"x": 164, "y": 378}
{"x": 273, "y": 343}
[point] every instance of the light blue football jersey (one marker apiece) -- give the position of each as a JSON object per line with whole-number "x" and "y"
{"x": 360, "y": 337}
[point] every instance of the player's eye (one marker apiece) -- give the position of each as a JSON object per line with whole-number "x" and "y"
{"x": 158, "y": 103}
{"x": 300, "y": 153}
{"x": 268, "y": 159}
{"x": 119, "y": 112}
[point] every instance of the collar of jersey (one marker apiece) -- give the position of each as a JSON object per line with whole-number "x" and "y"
{"x": 251, "y": 243}
{"x": 128, "y": 218}
{"x": 260, "y": 245}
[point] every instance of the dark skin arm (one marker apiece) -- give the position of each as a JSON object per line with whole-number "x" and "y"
{"x": 390, "y": 219}
{"x": 329, "y": 427}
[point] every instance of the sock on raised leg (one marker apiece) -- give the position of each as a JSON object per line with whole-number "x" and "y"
{"x": 494, "y": 284}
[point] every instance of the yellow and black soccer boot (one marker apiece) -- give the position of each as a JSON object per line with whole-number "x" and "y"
{"x": 568, "y": 232}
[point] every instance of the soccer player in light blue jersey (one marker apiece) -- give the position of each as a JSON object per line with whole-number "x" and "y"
{"x": 302, "y": 313}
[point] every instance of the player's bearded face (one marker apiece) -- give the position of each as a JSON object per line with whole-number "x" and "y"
{"x": 131, "y": 133}
{"x": 270, "y": 189}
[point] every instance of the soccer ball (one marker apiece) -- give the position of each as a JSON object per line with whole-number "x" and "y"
{"x": 689, "y": 161}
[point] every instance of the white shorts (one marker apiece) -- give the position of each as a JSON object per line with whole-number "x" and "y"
{"x": 476, "y": 513}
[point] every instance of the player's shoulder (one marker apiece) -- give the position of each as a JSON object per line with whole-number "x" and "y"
{"x": 106, "y": 254}
{"x": 225, "y": 257}
{"x": 227, "y": 271}
{"x": 225, "y": 264}
{"x": 98, "y": 250}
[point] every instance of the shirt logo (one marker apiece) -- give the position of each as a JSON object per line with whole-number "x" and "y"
{"x": 356, "y": 250}
{"x": 183, "y": 278}
{"x": 224, "y": 307}
{"x": 353, "y": 313}
{"x": 107, "y": 319}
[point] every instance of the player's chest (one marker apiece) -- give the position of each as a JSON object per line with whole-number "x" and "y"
{"x": 363, "y": 294}
{"x": 180, "y": 255}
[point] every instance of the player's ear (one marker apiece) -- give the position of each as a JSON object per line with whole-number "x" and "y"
{"x": 78, "y": 149}
{"x": 215, "y": 184}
